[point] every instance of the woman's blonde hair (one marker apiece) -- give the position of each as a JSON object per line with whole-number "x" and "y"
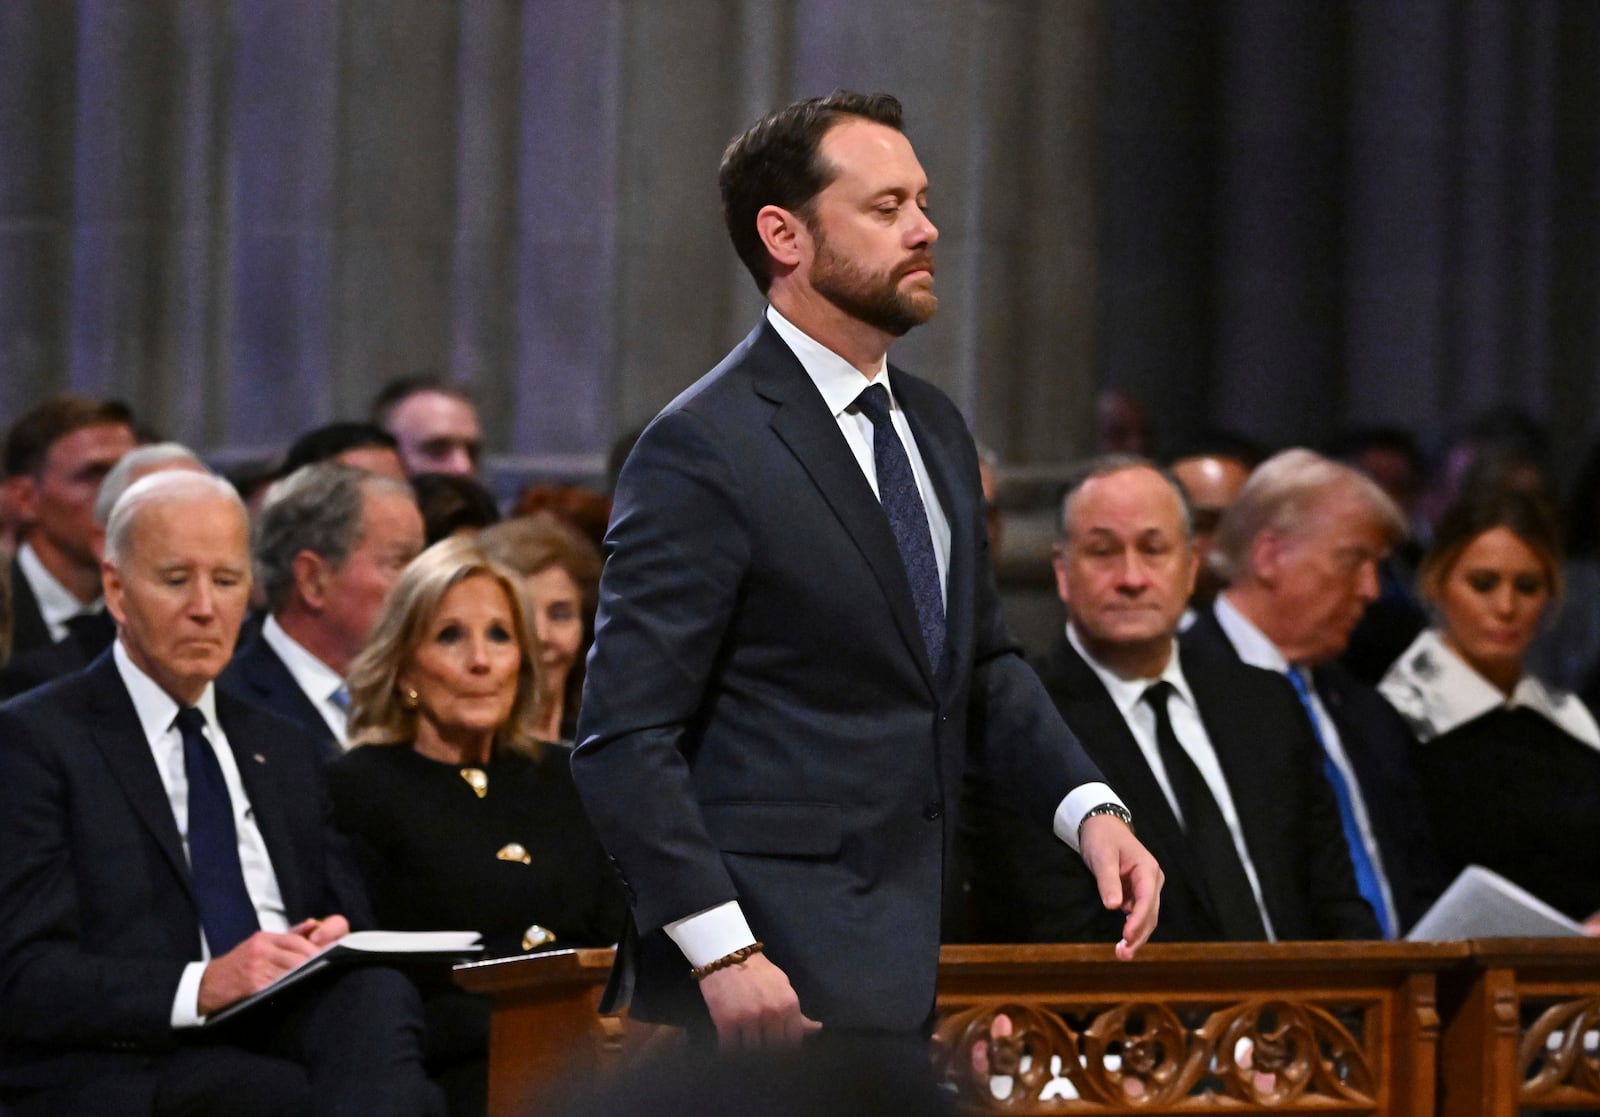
{"x": 378, "y": 715}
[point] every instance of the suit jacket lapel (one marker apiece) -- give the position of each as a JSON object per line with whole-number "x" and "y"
{"x": 254, "y": 759}
{"x": 28, "y": 629}
{"x": 269, "y": 677}
{"x": 1088, "y": 709}
{"x": 1232, "y": 729}
{"x": 115, "y": 730}
{"x": 802, "y": 421}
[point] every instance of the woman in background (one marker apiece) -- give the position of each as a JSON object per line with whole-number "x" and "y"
{"x": 1509, "y": 765}
{"x": 560, "y": 571}
{"x": 459, "y": 820}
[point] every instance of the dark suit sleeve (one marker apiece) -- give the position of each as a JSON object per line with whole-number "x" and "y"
{"x": 678, "y": 555}
{"x": 1024, "y": 885}
{"x": 347, "y": 888}
{"x": 1023, "y": 749}
{"x": 53, "y": 989}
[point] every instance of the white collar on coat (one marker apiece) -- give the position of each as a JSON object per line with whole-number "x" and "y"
{"x": 1436, "y": 691}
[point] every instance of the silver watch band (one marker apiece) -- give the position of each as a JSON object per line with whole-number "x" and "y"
{"x": 1115, "y": 809}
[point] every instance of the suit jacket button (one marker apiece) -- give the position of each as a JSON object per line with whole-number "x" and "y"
{"x": 933, "y": 812}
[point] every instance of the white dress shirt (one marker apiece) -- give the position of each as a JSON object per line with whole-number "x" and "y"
{"x": 1258, "y": 650}
{"x": 711, "y": 934}
{"x": 57, "y": 604}
{"x": 311, "y": 675}
{"x": 1184, "y": 713}
{"x": 157, "y": 712}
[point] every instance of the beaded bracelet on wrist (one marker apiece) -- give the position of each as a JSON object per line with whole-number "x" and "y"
{"x": 700, "y": 973}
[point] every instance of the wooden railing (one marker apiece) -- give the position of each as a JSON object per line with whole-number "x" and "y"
{"x": 1339, "y": 1027}
{"x": 1522, "y": 1028}
{"x": 1390, "y": 1028}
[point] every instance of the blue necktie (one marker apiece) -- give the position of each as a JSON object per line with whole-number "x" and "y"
{"x": 227, "y": 914}
{"x": 1366, "y": 872}
{"x": 908, "y": 519}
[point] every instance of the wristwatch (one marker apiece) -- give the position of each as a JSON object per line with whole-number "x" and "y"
{"x": 1115, "y": 809}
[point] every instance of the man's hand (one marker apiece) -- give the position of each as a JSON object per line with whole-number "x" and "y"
{"x": 263, "y": 958}
{"x": 1126, "y": 874}
{"x": 321, "y": 932}
{"x": 753, "y": 1005}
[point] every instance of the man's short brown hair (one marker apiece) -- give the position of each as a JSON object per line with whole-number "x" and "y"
{"x": 42, "y": 426}
{"x": 775, "y": 162}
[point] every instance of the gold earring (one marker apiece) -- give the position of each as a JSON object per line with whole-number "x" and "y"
{"x": 409, "y": 698}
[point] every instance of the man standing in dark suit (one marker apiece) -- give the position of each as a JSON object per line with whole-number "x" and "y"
{"x": 56, "y": 455}
{"x": 166, "y": 851}
{"x": 330, "y": 541}
{"x": 1299, "y": 548}
{"x": 799, "y": 647}
{"x": 1216, "y": 759}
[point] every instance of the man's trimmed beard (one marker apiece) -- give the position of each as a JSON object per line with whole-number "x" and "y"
{"x": 874, "y": 299}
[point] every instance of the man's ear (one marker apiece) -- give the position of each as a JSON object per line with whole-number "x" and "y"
{"x": 1266, "y": 556}
{"x": 311, "y": 579}
{"x": 24, "y": 494}
{"x": 1193, "y": 559}
{"x": 785, "y": 235}
{"x": 1058, "y": 562}
{"x": 111, "y": 590}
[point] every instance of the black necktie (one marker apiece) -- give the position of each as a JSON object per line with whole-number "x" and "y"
{"x": 1210, "y": 840}
{"x": 227, "y": 915}
{"x": 908, "y": 519}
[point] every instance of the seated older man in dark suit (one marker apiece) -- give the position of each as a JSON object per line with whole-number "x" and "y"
{"x": 1300, "y": 549}
{"x": 1215, "y": 759}
{"x": 330, "y": 541}
{"x": 165, "y": 852}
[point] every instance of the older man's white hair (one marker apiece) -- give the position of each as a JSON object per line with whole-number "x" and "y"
{"x": 168, "y": 486}
{"x": 138, "y": 463}
{"x": 1281, "y": 493}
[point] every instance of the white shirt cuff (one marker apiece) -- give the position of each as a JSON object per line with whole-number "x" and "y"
{"x": 186, "y": 1004}
{"x": 711, "y": 934}
{"x": 1079, "y": 802}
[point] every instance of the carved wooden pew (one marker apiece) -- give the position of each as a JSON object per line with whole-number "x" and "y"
{"x": 1330, "y": 1027}
{"x": 1522, "y": 1028}
{"x": 1335, "y": 1027}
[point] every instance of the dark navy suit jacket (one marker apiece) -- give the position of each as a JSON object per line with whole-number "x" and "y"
{"x": 1379, "y": 747}
{"x": 28, "y": 628}
{"x": 87, "y": 637}
{"x": 760, "y": 720}
{"x": 258, "y": 676}
{"x": 97, "y": 910}
{"x": 1023, "y": 892}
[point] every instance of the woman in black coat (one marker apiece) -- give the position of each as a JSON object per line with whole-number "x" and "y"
{"x": 1509, "y": 765}
{"x": 459, "y": 820}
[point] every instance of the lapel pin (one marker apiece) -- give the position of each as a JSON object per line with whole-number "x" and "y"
{"x": 258, "y": 758}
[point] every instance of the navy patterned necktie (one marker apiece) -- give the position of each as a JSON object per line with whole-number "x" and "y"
{"x": 227, "y": 914}
{"x": 908, "y": 519}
